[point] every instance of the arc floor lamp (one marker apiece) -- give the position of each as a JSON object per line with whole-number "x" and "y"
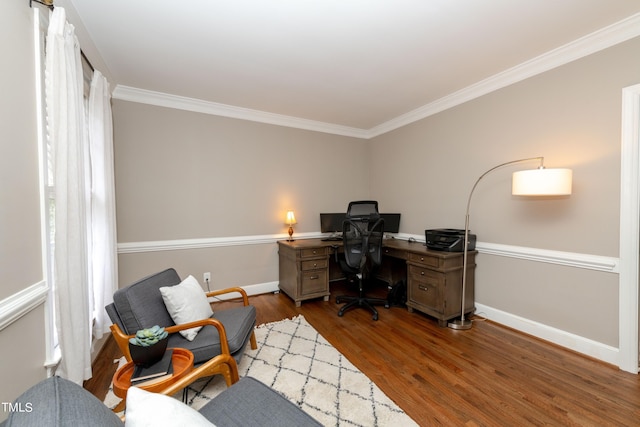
{"x": 535, "y": 182}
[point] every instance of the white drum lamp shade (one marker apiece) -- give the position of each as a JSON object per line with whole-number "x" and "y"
{"x": 542, "y": 182}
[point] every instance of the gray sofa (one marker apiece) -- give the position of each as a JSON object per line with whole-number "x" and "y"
{"x": 59, "y": 402}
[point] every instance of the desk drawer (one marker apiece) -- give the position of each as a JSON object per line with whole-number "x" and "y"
{"x": 394, "y": 253}
{"x": 425, "y": 275}
{"x": 424, "y": 293}
{"x": 426, "y": 260}
{"x": 313, "y": 252}
{"x": 314, "y": 282}
{"x": 315, "y": 264}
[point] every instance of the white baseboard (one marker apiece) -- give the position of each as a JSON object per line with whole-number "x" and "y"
{"x": 559, "y": 337}
{"x": 257, "y": 289}
{"x": 597, "y": 350}
{"x": 262, "y": 288}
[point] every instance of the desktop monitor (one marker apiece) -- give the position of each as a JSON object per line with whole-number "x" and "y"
{"x": 331, "y": 222}
{"x": 391, "y": 222}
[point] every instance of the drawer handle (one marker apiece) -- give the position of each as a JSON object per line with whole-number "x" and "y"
{"x": 422, "y": 273}
{"x": 314, "y": 252}
{"x": 421, "y": 258}
{"x": 314, "y": 277}
{"x": 315, "y": 264}
{"x": 423, "y": 288}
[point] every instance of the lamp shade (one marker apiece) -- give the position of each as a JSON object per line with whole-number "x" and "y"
{"x": 542, "y": 182}
{"x": 291, "y": 218}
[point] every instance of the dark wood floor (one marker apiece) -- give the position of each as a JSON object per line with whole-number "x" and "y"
{"x": 487, "y": 376}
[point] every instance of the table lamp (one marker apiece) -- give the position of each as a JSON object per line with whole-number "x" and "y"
{"x": 537, "y": 182}
{"x": 291, "y": 219}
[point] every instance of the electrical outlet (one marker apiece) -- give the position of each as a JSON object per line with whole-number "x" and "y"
{"x": 207, "y": 277}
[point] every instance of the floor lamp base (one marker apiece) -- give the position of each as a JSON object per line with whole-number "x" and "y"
{"x": 460, "y": 324}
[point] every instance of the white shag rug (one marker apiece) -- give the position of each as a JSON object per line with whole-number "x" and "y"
{"x": 299, "y": 363}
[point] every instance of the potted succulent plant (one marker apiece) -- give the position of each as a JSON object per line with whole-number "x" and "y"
{"x": 148, "y": 345}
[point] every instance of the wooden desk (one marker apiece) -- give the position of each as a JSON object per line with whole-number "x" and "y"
{"x": 434, "y": 278}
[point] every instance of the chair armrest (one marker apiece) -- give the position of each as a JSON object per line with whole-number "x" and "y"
{"x": 242, "y": 292}
{"x": 122, "y": 339}
{"x": 221, "y": 364}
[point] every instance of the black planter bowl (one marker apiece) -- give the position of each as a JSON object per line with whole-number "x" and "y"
{"x": 147, "y": 356}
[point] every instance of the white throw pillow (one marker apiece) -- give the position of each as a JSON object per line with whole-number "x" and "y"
{"x": 145, "y": 409}
{"x": 185, "y": 303}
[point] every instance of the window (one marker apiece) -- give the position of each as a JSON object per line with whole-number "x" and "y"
{"x": 48, "y": 209}
{"x": 41, "y": 22}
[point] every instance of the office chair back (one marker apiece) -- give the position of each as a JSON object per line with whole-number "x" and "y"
{"x": 362, "y": 243}
{"x": 354, "y": 243}
{"x": 376, "y": 235}
{"x": 363, "y": 210}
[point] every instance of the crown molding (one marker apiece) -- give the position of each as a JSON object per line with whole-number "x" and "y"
{"x": 127, "y": 93}
{"x": 604, "y": 38}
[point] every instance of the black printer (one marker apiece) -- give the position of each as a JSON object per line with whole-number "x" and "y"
{"x": 448, "y": 239}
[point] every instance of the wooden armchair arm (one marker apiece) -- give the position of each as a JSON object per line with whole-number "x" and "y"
{"x": 245, "y": 301}
{"x": 242, "y": 292}
{"x": 221, "y": 364}
{"x": 122, "y": 339}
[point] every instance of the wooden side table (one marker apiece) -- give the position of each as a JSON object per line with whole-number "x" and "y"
{"x": 182, "y": 360}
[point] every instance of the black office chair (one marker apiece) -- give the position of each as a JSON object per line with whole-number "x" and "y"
{"x": 362, "y": 234}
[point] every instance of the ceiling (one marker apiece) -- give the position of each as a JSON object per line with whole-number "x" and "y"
{"x": 353, "y": 63}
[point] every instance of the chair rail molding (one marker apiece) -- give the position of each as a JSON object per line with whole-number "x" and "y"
{"x": 568, "y": 259}
{"x": 17, "y": 305}
{"x": 212, "y": 242}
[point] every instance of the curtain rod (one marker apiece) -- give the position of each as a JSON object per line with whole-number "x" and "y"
{"x": 49, "y": 4}
{"x": 87, "y": 60}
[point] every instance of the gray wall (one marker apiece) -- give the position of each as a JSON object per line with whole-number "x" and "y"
{"x": 572, "y": 116}
{"x": 183, "y": 175}
{"x": 22, "y": 341}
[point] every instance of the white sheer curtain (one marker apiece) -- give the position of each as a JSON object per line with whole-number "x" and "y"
{"x": 65, "y": 121}
{"x": 104, "y": 264}
{"x": 85, "y": 223}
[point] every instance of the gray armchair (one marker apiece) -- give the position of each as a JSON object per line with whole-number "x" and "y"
{"x": 217, "y": 347}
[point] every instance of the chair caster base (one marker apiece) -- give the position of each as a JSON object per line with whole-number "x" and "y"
{"x": 367, "y": 303}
